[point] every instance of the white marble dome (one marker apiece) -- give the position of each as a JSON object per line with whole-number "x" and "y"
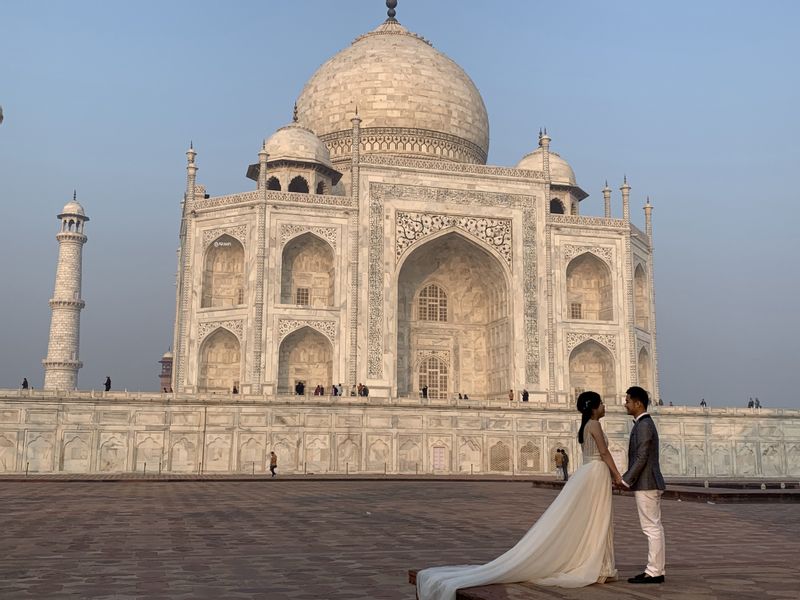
{"x": 297, "y": 143}
{"x": 560, "y": 171}
{"x": 73, "y": 207}
{"x": 412, "y": 100}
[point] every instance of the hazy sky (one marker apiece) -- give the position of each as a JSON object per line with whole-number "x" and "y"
{"x": 697, "y": 102}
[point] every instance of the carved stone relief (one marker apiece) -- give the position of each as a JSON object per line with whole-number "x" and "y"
{"x": 287, "y": 326}
{"x": 237, "y": 231}
{"x": 570, "y": 251}
{"x": 443, "y": 355}
{"x": 411, "y": 227}
{"x": 576, "y": 338}
{"x": 290, "y": 230}
{"x": 234, "y": 326}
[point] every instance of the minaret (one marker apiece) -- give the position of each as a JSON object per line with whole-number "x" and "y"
{"x": 607, "y": 200}
{"x": 626, "y": 195}
{"x": 62, "y": 363}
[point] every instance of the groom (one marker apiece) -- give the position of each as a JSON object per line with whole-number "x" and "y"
{"x": 644, "y": 478}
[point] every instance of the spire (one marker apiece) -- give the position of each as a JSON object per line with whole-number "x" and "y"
{"x": 648, "y": 220}
{"x": 391, "y": 5}
{"x": 294, "y": 113}
{"x": 74, "y": 195}
{"x": 626, "y": 194}
{"x": 607, "y": 200}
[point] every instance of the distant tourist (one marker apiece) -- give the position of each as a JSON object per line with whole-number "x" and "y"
{"x": 751, "y": 404}
{"x": 510, "y": 395}
{"x": 273, "y": 463}
{"x": 424, "y": 391}
{"x": 565, "y": 464}
{"x": 24, "y": 383}
{"x": 460, "y": 397}
{"x": 466, "y": 397}
{"x": 335, "y": 390}
{"x": 757, "y": 403}
{"x": 353, "y": 390}
{"x": 670, "y": 403}
{"x": 107, "y": 384}
{"x": 235, "y": 389}
{"x": 559, "y": 460}
{"x": 300, "y": 388}
{"x": 703, "y": 402}
{"x": 364, "y": 391}
{"x": 524, "y": 395}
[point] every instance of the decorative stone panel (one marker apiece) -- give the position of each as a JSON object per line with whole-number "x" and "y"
{"x": 287, "y": 326}
{"x": 329, "y": 234}
{"x": 570, "y": 251}
{"x": 411, "y": 227}
{"x": 575, "y": 339}
{"x": 442, "y": 355}
{"x": 234, "y": 326}
{"x": 239, "y": 232}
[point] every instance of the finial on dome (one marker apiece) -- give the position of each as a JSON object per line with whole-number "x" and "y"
{"x": 74, "y": 195}
{"x": 191, "y": 145}
{"x": 391, "y": 5}
{"x": 294, "y": 113}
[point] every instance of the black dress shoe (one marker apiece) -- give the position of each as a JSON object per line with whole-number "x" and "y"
{"x": 645, "y": 578}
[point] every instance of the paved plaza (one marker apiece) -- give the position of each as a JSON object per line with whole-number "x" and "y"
{"x": 310, "y": 540}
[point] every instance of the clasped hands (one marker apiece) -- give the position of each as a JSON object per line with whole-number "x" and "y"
{"x": 620, "y": 484}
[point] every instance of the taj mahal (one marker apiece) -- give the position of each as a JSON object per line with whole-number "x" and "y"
{"x": 376, "y": 249}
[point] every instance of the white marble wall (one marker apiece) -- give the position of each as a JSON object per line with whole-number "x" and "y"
{"x": 45, "y": 432}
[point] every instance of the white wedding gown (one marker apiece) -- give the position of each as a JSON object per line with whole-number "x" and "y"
{"x": 571, "y": 545}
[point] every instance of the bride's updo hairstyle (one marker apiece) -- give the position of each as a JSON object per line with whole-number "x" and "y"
{"x": 587, "y": 402}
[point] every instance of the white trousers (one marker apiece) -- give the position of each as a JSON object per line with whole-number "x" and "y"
{"x": 648, "y": 502}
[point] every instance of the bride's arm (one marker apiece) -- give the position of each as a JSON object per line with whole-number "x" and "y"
{"x": 597, "y": 433}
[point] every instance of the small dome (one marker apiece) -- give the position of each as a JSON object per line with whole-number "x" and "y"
{"x": 297, "y": 143}
{"x": 73, "y": 207}
{"x": 167, "y": 354}
{"x": 560, "y": 171}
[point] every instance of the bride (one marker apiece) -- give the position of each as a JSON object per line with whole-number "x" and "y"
{"x": 572, "y": 543}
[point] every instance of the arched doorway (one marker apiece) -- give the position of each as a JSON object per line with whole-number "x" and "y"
{"x": 220, "y": 362}
{"x": 223, "y": 274}
{"x": 305, "y": 355}
{"x": 645, "y": 369}
{"x": 453, "y": 307}
{"x": 307, "y": 272}
{"x": 641, "y": 298}
{"x": 589, "y": 291}
{"x": 591, "y": 367}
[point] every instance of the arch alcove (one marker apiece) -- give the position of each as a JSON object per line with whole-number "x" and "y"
{"x": 308, "y": 272}
{"x": 591, "y": 367}
{"x": 434, "y": 373}
{"x": 223, "y": 274}
{"x": 589, "y": 290}
{"x": 556, "y": 206}
{"x": 452, "y": 301}
{"x": 298, "y": 184}
{"x": 305, "y": 355}
{"x": 220, "y": 362}
{"x": 641, "y": 298}
{"x": 645, "y": 371}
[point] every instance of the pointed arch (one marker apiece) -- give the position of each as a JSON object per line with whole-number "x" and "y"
{"x": 220, "y": 362}
{"x": 305, "y": 355}
{"x": 308, "y": 271}
{"x": 590, "y": 293}
{"x": 433, "y": 373}
{"x": 556, "y": 206}
{"x": 476, "y": 305}
{"x": 274, "y": 184}
{"x": 641, "y": 290}
{"x": 431, "y": 303}
{"x": 299, "y": 184}
{"x": 591, "y": 367}
{"x": 645, "y": 369}
{"x": 410, "y": 457}
{"x": 223, "y": 273}
{"x": 500, "y": 457}
{"x": 530, "y": 459}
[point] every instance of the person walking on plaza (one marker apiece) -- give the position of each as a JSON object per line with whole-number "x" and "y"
{"x": 510, "y": 395}
{"x": 525, "y": 395}
{"x": 644, "y": 478}
{"x": 107, "y": 384}
{"x": 559, "y": 460}
{"x": 273, "y": 463}
{"x": 565, "y": 464}
{"x": 24, "y": 383}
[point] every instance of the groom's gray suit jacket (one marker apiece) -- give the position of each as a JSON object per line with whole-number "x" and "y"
{"x": 644, "y": 472}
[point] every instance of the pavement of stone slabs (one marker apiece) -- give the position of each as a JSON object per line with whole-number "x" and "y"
{"x": 312, "y": 540}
